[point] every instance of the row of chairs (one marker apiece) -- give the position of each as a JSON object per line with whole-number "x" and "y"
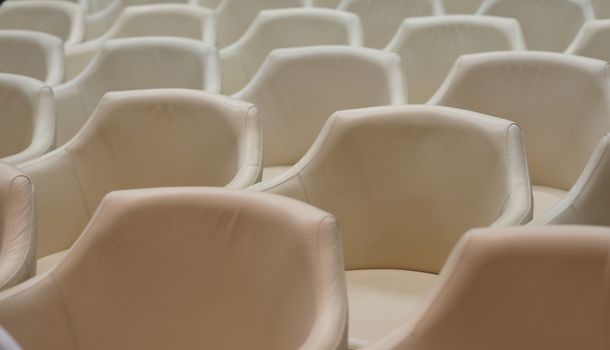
{"x": 196, "y": 268}
{"x": 380, "y": 18}
{"x": 369, "y": 167}
{"x": 404, "y": 182}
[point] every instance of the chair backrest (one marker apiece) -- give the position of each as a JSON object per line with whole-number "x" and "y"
{"x": 27, "y": 122}
{"x": 298, "y": 89}
{"x": 381, "y": 18}
{"x": 325, "y": 3}
{"x": 561, "y": 102}
{"x": 592, "y": 40}
{"x": 407, "y": 181}
{"x": 60, "y": 18}
{"x": 233, "y": 17}
{"x": 429, "y": 46}
{"x": 131, "y": 64}
{"x": 548, "y": 25}
{"x": 33, "y": 54}
{"x": 138, "y": 139}
{"x": 282, "y": 28}
{"x": 179, "y": 20}
{"x": 17, "y": 227}
{"x": 461, "y": 6}
{"x": 515, "y": 288}
{"x": 193, "y": 268}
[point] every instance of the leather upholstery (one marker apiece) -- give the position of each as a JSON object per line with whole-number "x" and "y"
{"x": 592, "y": 40}
{"x": 562, "y": 103}
{"x": 297, "y": 90}
{"x": 17, "y": 227}
{"x": 461, "y": 6}
{"x": 543, "y": 31}
{"x": 191, "y": 268}
{"x": 588, "y": 201}
{"x": 130, "y": 64}
{"x": 60, "y": 18}
{"x": 429, "y": 46}
{"x": 138, "y": 139}
{"x": 233, "y": 17}
{"x": 381, "y": 18}
{"x": 27, "y": 122}
{"x": 281, "y": 28}
{"x": 405, "y": 182}
{"x": 521, "y": 288}
{"x": 325, "y": 3}
{"x": 601, "y": 8}
{"x": 33, "y": 54}
{"x": 179, "y": 20}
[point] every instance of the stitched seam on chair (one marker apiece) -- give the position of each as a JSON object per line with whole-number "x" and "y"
{"x": 64, "y": 308}
{"x": 303, "y": 187}
{"x": 505, "y": 203}
{"x": 259, "y": 162}
{"x": 80, "y": 184}
{"x": 530, "y": 203}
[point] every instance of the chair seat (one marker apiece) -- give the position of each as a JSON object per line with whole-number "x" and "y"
{"x": 270, "y": 172}
{"x": 380, "y": 300}
{"x": 546, "y": 197}
{"x": 44, "y": 264}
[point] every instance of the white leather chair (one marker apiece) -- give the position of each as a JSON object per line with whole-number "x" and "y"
{"x": 193, "y": 268}
{"x": 548, "y": 25}
{"x": 233, "y": 17}
{"x": 516, "y": 288}
{"x": 33, "y": 54}
{"x": 325, "y": 3}
{"x": 592, "y": 40}
{"x": 27, "y": 122}
{"x": 130, "y": 64}
{"x": 7, "y": 342}
{"x": 588, "y": 200}
{"x": 106, "y": 13}
{"x": 381, "y": 18}
{"x": 63, "y": 19}
{"x": 562, "y": 102}
{"x": 405, "y": 182}
{"x": 429, "y": 46}
{"x": 175, "y": 20}
{"x": 139, "y": 139}
{"x": 281, "y": 28}
{"x": 297, "y": 90}
{"x": 461, "y": 6}
{"x": 18, "y": 229}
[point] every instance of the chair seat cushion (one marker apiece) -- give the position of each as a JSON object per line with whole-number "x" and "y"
{"x": 380, "y": 300}
{"x": 546, "y": 197}
{"x": 44, "y": 264}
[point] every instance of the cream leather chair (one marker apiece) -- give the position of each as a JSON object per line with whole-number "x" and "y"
{"x": 461, "y": 6}
{"x": 601, "y": 8}
{"x": 193, "y": 268}
{"x": 592, "y": 40}
{"x": 138, "y": 139}
{"x": 562, "y": 103}
{"x": 63, "y": 19}
{"x": 588, "y": 201}
{"x": 18, "y": 228}
{"x": 297, "y": 90}
{"x": 135, "y": 63}
{"x": 27, "y": 118}
{"x": 233, "y": 17}
{"x": 429, "y": 46}
{"x": 7, "y": 342}
{"x": 548, "y": 25}
{"x": 33, "y": 54}
{"x": 381, "y": 18}
{"x": 273, "y": 29}
{"x": 176, "y": 20}
{"x": 405, "y": 182}
{"x": 516, "y": 288}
